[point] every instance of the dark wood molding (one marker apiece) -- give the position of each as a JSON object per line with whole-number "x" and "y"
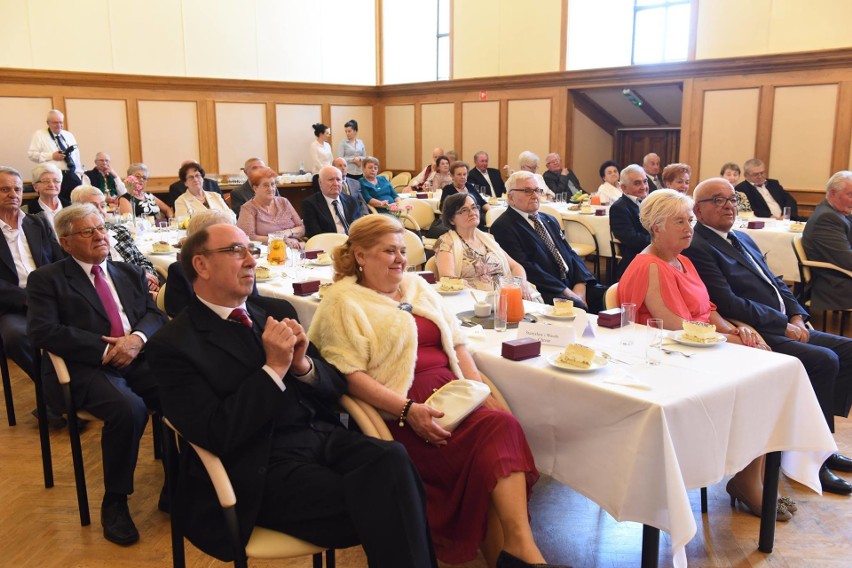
{"x": 595, "y": 112}
{"x": 649, "y": 110}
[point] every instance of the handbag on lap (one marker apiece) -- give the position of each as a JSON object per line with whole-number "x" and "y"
{"x": 457, "y": 399}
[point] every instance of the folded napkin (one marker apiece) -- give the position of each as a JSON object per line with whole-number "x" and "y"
{"x": 626, "y": 380}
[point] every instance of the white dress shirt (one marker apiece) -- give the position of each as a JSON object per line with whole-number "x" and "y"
{"x": 774, "y": 208}
{"x": 338, "y": 223}
{"x": 43, "y": 145}
{"x": 20, "y": 248}
{"x": 49, "y": 213}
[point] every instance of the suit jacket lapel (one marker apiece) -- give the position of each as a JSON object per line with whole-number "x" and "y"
{"x": 6, "y": 257}
{"x": 79, "y": 281}
{"x": 225, "y": 335}
{"x": 124, "y": 287}
{"x": 725, "y": 247}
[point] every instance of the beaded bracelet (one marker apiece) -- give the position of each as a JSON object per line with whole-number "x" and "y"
{"x": 403, "y": 416}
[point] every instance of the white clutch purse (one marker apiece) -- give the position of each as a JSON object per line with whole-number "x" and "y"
{"x": 456, "y": 400}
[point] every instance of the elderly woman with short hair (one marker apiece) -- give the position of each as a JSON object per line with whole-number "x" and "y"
{"x": 267, "y": 212}
{"x": 195, "y": 199}
{"x": 676, "y": 177}
{"x": 47, "y": 181}
{"x": 528, "y": 162}
{"x": 139, "y": 202}
{"x": 731, "y": 172}
{"x": 610, "y": 190}
{"x": 377, "y": 190}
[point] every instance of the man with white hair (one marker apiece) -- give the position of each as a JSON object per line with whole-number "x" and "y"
{"x": 624, "y": 216}
{"x": 104, "y": 177}
{"x": 651, "y": 165}
{"x": 418, "y": 180}
{"x": 828, "y": 238}
{"x": 483, "y": 176}
{"x": 59, "y": 147}
{"x": 536, "y": 242}
{"x": 245, "y": 192}
{"x": 329, "y": 211}
{"x": 558, "y": 178}
{"x": 351, "y": 187}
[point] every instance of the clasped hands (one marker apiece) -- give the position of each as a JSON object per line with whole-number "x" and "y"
{"x": 286, "y": 345}
{"x": 122, "y": 351}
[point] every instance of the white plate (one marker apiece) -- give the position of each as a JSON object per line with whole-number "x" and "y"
{"x": 315, "y": 262}
{"x": 315, "y": 296}
{"x": 273, "y": 277}
{"x": 164, "y": 253}
{"x": 598, "y": 362}
{"x": 548, "y": 313}
{"x": 678, "y": 336}
{"x": 437, "y": 288}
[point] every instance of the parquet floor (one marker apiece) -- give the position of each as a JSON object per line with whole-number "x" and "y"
{"x": 40, "y": 527}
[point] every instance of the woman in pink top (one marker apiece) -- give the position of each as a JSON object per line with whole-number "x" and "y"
{"x": 269, "y": 213}
{"x": 665, "y": 285}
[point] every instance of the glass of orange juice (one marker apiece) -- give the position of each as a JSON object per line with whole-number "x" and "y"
{"x": 510, "y": 288}
{"x": 277, "y": 253}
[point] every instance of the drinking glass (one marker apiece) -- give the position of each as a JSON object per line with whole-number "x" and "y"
{"x": 277, "y": 254}
{"x": 501, "y": 312}
{"x": 653, "y": 349}
{"x": 510, "y": 288}
{"x": 786, "y": 215}
{"x": 628, "y": 323}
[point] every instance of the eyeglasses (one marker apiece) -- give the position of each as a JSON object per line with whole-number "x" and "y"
{"x": 195, "y": 175}
{"x": 89, "y": 232}
{"x": 720, "y": 201}
{"x": 467, "y": 210}
{"x": 537, "y": 191}
{"x": 236, "y": 251}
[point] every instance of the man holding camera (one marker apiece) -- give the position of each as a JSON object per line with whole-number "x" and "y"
{"x": 58, "y": 146}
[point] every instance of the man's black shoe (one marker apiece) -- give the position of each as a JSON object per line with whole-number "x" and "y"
{"x": 118, "y": 526}
{"x": 833, "y": 484}
{"x": 54, "y": 420}
{"x": 839, "y": 462}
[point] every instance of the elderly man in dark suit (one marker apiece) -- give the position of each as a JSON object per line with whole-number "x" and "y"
{"x": 535, "y": 241}
{"x": 828, "y": 238}
{"x": 329, "y": 211}
{"x": 351, "y": 187}
{"x": 483, "y": 176}
{"x": 558, "y": 178}
{"x": 104, "y": 178}
{"x": 766, "y": 196}
{"x": 651, "y": 167}
{"x": 743, "y": 288}
{"x": 28, "y": 244}
{"x": 624, "y": 216}
{"x": 98, "y": 316}
{"x": 250, "y": 388}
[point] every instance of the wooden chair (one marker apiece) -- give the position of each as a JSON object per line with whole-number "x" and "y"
{"x": 805, "y": 276}
{"x": 612, "y": 262}
{"x": 611, "y": 297}
{"x": 263, "y": 542}
{"x": 492, "y": 214}
{"x": 325, "y": 241}
{"x": 64, "y": 378}
{"x": 432, "y": 266}
{"x": 553, "y": 212}
{"x": 161, "y": 298}
{"x": 415, "y": 250}
{"x": 584, "y": 249}
{"x": 387, "y": 174}
{"x": 7, "y": 385}
{"x": 401, "y": 179}
{"x": 419, "y": 219}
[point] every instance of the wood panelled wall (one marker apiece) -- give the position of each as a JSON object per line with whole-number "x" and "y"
{"x": 794, "y": 111}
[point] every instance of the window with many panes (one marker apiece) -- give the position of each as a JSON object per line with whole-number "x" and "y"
{"x": 660, "y": 31}
{"x": 443, "y": 35}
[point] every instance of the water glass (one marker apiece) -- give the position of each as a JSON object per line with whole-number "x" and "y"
{"x": 786, "y": 216}
{"x": 501, "y": 312}
{"x": 653, "y": 349}
{"x": 628, "y": 323}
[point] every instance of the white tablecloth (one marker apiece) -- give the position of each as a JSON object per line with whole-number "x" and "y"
{"x": 776, "y": 243}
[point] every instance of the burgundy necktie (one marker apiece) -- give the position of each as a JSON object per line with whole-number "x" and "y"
{"x": 239, "y": 315}
{"x": 104, "y": 293}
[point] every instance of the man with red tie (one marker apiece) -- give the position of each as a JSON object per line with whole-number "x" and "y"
{"x": 97, "y": 315}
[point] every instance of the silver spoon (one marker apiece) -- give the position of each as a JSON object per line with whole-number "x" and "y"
{"x": 673, "y": 351}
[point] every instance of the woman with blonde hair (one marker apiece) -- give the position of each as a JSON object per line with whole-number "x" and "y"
{"x": 389, "y": 333}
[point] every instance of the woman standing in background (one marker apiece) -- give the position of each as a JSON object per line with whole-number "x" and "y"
{"x": 352, "y": 150}
{"x": 320, "y": 148}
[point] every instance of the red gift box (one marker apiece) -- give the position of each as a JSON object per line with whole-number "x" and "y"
{"x": 427, "y": 275}
{"x": 610, "y": 318}
{"x": 306, "y": 288}
{"x": 520, "y": 349}
{"x": 312, "y": 254}
{"x": 421, "y": 195}
{"x": 756, "y": 224}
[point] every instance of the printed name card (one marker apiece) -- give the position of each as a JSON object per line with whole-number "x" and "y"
{"x": 556, "y": 335}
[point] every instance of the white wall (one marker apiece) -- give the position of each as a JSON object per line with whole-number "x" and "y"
{"x": 409, "y": 42}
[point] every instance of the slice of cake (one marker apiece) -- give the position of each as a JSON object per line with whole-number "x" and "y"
{"x": 262, "y": 273}
{"x": 451, "y": 284}
{"x": 699, "y": 331}
{"x": 577, "y": 355}
{"x": 563, "y": 308}
{"x": 324, "y": 258}
{"x": 161, "y": 246}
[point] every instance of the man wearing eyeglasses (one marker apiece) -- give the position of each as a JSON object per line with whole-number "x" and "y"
{"x": 56, "y": 145}
{"x": 104, "y": 178}
{"x": 767, "y": 197}
{"x": 743, "y": 288}
{"x": 536, "y": 242}
{"x": 98, "y": 315}
{"x": 624, "y": 216}
{"x": 245, "y": 383}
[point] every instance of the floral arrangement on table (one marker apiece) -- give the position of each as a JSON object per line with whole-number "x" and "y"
{"x": 399, "y": 210}
{"x": 134, "y": 185}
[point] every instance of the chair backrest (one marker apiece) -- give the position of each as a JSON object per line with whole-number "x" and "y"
{"x": 492, "y": 214}
{"x": 421, "y": 212}
{"x": 432, "y": 265}
{"x": 578, "y": 231}
{"x": 325, "y": 241}
{"x": 615, "y": 245}
{"x": 415, "y": 251}
{"x": 401, "y": 179}
{"x": 550, "y": 210}
{"x": 161, "y": 298}
{"x": 387, "y": 174}
{"x": 801, "y": 258}
{"x": 611, "y": 297}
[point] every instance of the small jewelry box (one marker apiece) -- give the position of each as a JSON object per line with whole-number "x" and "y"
{"x": 520, "y": 349}
{"x": 306, "y": 288}
{"x": 610, "y": 318}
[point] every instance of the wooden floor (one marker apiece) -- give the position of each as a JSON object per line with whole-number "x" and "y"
{"x": 40, "y": 527}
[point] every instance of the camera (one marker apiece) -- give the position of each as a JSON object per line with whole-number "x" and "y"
{"x": 69, "y": 161}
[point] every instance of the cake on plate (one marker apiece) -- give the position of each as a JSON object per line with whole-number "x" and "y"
{"x": 451, "y": 284}
{"x": 564, "y": 308}
{"x": 262, "y": 273}
{"x": 161, "y": 246}
{"x": 699, "y": 331}
{"x": 323, "y": 258}
{"x": 577, "y": 355}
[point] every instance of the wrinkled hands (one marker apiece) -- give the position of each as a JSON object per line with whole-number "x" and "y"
{"x": 285, "y": 344}
{"x": 796, "y": 330}
{"x": 122, "y": 351}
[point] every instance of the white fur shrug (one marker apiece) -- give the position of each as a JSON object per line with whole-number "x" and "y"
{"x": 358, "y": 329}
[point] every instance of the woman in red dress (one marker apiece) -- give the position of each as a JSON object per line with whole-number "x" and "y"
{"x": 390, "y": 335}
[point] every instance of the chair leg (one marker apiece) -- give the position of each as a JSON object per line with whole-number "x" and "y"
{"x": 43, "y": 433}
{"x": 7, "y": 388}
{"x": 329, "y": 558}
{"x": 77, "y": 457}
{"x": 157, "y": 432}
{"x": 317, "y": 558}
{"x": 170, "y": 468}
{"x": 703, "y": 500}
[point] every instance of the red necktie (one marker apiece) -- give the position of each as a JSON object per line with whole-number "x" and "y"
{"x": 239, "y": 315}
{"x": 104, "y": 293}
